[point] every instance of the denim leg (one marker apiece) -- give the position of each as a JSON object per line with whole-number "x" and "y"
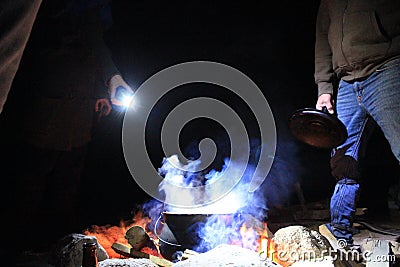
{"x": 382, "y": 101}
{"x": 343, "y": 208}
{"x": 352, "y": 113}
{"x": 344, "y": 199}
{"x": 377, "y": 97}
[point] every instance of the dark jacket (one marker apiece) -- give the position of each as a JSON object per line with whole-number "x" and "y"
{"x": 354, "y": 38}
{"x": 69, "y": 67}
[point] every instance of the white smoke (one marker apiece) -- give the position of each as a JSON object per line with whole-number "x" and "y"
{"x": 177, "y": 175}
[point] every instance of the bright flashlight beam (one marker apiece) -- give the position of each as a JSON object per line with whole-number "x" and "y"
{"x": 128, "y": 101}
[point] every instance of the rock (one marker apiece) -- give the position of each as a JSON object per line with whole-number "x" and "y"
{"x": 127, "y": 263}
{"x": 137, "y": 237}
{"x": 324, "y": 262}
{"x": 68, "y": 250}
{"x": 298, "y": 243}
{"x": 367, "y": 243}
{"x": 226, "y": 255}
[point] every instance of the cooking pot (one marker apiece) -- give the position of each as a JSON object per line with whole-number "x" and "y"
{"x": 180, "y": 231}
{"x": 317, "y": 128}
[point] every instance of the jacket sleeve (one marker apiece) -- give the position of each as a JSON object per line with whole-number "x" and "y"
{"x": 106, "y": 67}
{"x": 324, "y": 73}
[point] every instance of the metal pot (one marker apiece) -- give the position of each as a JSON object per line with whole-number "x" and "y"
{"x": 179, "y": 232}
{"x": 317, "y": 128}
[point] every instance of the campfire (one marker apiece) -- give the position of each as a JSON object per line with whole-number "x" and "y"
{"x": 108, "y": 235}
{"x": 231, "y": 231}
{"x": 167, "y": 234}
{"x": 242, "y": 230}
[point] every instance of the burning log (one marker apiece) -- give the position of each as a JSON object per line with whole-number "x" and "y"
{"x": 132, "y": 253}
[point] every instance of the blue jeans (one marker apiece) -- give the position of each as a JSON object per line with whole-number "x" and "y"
{"x": 376, "y": 98}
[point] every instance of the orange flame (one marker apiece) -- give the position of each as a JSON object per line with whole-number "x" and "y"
{"x": 253, "y": 237}
{"x": 264, "y": 245}
{"x": 108, "y": 235}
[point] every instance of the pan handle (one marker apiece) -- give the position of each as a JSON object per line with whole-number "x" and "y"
{"x": 158, "y": 236}
{"x": 325, "y": 109}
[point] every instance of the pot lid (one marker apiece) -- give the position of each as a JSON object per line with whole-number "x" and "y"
{"x": 317, "y": 128}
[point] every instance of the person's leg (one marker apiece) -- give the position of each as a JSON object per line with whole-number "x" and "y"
{"x": 31, "y": 184}
{"x": 65, "y": 184}
{"x": 344, "y": 161}
{"x": 382, "y": 101}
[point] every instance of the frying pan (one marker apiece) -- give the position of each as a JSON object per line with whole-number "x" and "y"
{"x": 317, "y": 128}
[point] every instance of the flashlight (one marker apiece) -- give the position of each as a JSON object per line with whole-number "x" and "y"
{"x": 124, "y": 96}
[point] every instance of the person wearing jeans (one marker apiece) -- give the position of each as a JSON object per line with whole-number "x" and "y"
{"x": 357, "y": 60}
{"x": 359, "y": 103}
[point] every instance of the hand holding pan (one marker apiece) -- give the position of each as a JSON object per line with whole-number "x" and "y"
{"x": 317, "y": 128}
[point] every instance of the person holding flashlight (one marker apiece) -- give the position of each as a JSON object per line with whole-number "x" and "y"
{"x": 68, "y": 76}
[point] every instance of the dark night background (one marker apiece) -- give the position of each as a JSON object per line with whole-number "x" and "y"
{"x": 272, "y": 44}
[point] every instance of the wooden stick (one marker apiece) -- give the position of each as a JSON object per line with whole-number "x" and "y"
{"x": 132, "y": 253}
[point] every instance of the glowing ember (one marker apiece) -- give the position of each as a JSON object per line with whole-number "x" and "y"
{"x": 108, "y": 235}
{"x": 252, "y": 234}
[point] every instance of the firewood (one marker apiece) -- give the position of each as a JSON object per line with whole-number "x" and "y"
{"x": 132, "y": 253}
{"x": 121, "y": 249}
{"x": 188, "y": 253}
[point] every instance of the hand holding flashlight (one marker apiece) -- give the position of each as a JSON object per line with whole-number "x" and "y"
{"x": 120, "y": 92}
